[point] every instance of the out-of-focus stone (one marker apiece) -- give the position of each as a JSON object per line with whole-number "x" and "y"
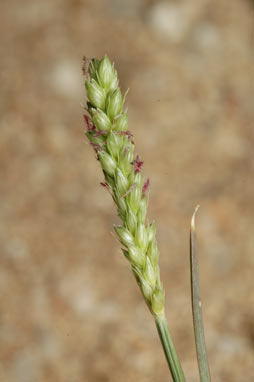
{"x": 65, "y": 78}
{"x": 16, "y": 248}
{"x": 172, "y": 21}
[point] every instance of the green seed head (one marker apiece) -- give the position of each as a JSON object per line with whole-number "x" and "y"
{"x": 141, "y": 236}
{"x": 146, "y": 289}
{"x": 124, "y": 236}
{"x": 150, "y": 273}
{"x": 120, "y": 202}
{"x": 114, "y": 84}
{"x": 126, "y": 158}
{"x": 95, "y": 94}
{"x": 114, "y": 144}
{"x": 114, "y": 104}
{"x": 138, "y": 181}
{"x": 153, "y": 253}
{"x": 142, "y": 210}
{"x": 121, "y": 123}
{"x": 151, "y": 232}
{"x": 107, "y": 162}
{"x": 101, "y": 120}
{"x": 106, "y": 73}
{"x": 131, "y": 221}
{"x": 136, "y": 256}
{"x": 99, "y": 140}
{"x": 109, "y": 135}
{"x": 158, "y": 302}
{"x": 122, "y": 183}
{"x": 93, "y": 68}
{"x": 134, "y": 196}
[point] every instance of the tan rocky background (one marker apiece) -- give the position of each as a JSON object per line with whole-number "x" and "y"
{"x": 70, "y": 310}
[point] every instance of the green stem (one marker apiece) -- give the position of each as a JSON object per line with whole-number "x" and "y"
{"x": 169, "y": 349}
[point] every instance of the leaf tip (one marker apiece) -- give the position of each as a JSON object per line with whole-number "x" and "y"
{"x": 193, "y": 227}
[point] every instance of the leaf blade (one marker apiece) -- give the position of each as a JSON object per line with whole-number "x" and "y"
{"x": 196, "y": 306}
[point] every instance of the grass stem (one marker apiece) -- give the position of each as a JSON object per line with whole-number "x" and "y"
{"x": 169, "y": 349}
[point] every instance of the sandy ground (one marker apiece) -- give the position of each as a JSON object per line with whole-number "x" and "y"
{"x": 70, "y": 310}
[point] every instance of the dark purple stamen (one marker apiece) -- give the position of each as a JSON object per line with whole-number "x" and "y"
{"x": 100, "y": 132}
{"x": 89, "y": 125}
{"x": 85, "y": 66}
{"x": 96, "y": 147}
{"x": 146, "y": 186}
{"x": 128, "y": 133}
{"x": 137, "y": 163}
{"x": 107, "y": 186}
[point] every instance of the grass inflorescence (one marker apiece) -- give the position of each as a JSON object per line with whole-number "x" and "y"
{"x": 107, "y": 131}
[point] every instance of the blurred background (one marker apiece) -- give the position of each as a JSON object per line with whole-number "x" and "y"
{"x": 70, "y": 310}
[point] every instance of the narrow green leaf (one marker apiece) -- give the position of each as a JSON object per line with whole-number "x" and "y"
{"x": 196, "y": 306}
